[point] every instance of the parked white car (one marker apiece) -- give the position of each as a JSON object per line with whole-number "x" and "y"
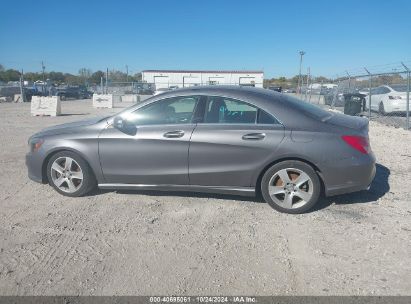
{"x": 388, "y": 99}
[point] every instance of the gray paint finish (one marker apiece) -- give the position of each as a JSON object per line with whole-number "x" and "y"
{"x": 214, "y": 156}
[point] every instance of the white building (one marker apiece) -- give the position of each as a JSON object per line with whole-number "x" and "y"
{"x": 324, "y": 85}
{"x": 183, "y": 78}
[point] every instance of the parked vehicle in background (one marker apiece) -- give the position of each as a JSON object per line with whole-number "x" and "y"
{"x": 173, "y": 87}
{"x": 389, "y": 98}
{"x": 275, "y": 88}
{"x": 289, "y": 91}
{"x": 73, "y": 92}
{"x": 144, "y": 88}
{"x": 11, "y": 91}
{"x": 161, "y": 90}
{"x": 364, "y": 91}
{"x": 334, "y": 98}
{"x": 220, "y": 139}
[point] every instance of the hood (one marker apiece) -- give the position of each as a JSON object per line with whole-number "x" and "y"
{"x": 69, "y": 127}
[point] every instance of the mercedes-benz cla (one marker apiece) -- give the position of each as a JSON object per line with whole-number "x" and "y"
{"x": 221, "y": 139}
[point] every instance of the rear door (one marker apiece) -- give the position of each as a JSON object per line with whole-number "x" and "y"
{"x": 233, "y": 142}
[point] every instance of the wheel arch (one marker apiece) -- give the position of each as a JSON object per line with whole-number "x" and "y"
{"x": 58, "y": 150}
{"x": 268, "y": 166}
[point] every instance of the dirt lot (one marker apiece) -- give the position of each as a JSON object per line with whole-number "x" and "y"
{"x": 143, "y": 243}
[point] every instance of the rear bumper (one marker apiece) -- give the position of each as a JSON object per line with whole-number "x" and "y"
{"x": 349, "y": 175}
{"x": 34, "y": 167}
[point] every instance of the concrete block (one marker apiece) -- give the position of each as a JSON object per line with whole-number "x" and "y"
{"x": 103, "y": 100}
{"x": 116, "y": 98}
{"x": 129, "y": 98}
{"x": 143, "y": 97}
{"x": 47, "y": 106}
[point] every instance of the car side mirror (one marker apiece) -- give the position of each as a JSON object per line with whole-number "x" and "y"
{"x": 124, "y": 125}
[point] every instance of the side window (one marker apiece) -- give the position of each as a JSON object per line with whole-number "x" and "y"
{"x": 384, "y": 90}
{"x": 227, "y": 110}
{"x": 265, "y": 118}
{"x": 175, "y": 110}
{"x": 375, "y": 91}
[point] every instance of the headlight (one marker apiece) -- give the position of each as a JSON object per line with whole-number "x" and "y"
{"x": 35, "y": 144}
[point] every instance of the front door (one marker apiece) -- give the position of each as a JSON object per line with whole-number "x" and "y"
{"x": 157, "y": 153}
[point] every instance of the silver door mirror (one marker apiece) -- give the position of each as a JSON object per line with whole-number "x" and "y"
{"x": 124, "y": 125}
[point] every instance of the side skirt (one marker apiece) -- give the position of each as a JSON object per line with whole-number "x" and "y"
{"x": 245, "y": 191}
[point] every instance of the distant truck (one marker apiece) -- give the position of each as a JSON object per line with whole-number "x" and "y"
{"x": 10, "y": 91}
{"x": 73, "y": 92}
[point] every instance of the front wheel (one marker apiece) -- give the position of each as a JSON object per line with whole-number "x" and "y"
{"x": 291, "y": 187}
{"x": 69, "y": 174}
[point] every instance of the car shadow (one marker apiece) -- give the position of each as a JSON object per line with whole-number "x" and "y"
{"x": 74, "y": 114}
{"x": 191, "y": 195}
{"x": 379, "y": 187}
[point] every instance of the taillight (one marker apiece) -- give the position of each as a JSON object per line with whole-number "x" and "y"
{"x": 359, "y": 143}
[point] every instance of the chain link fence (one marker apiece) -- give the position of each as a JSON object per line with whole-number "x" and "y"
{"x": 383, "y": 93}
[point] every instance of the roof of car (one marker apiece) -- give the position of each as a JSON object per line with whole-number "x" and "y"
{"x": 221, "y": 89}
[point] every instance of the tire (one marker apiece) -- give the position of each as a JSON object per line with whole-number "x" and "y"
{"x": 70, "y": 178}
{"x": 381, "y": 108}
{"x": 296, "y": 196}
{"x": 62, "y": 97}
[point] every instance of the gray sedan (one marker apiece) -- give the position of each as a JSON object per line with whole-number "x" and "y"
{"x": 220, "y": 139}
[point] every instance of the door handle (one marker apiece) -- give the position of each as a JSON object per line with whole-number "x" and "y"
{"x": 254, "y": 136}
{"x": 174, "y": 134}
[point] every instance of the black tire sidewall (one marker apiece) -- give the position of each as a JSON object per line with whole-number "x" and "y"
{"x": 297, "y": 165}
{"x": 88, "y": 176}
{"x": 381, "y": 108}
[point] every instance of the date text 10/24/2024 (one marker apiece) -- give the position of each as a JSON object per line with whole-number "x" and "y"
{"x": 202, "y": 299}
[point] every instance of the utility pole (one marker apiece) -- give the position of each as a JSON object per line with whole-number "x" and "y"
{"x": 307, "y": 84}
{"x": 44, "y": 78}
{"x": 349, "y": 80}
{"x": 302, "y": 53}
{"x": 126, "y": 73}
{"x": 369, "y": 93}
{"x": 107, "y": 81}
{"x": 22, "y": 87}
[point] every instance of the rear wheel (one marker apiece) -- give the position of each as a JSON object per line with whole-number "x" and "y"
{"x": 69, "y": 174}
{"x": 381, "y": 108}
{"x": 291, "y": 187}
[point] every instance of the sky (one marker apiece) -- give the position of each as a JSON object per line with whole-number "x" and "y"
{"x": 218, "y": 35}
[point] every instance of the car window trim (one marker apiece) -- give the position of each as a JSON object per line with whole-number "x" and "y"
{"x": 200, "y": 97}
{"x": 241, "y": 100}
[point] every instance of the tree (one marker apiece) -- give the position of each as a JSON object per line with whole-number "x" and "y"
{"x": 84, "y": 74}
{"x": 96, "y": 77}
{"x": 9, "y": 75}
{"x": 117, "y": 76}
{"x": 56, "y": 77}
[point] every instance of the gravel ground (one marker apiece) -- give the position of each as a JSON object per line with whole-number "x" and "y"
{"x": 144, "y": 243}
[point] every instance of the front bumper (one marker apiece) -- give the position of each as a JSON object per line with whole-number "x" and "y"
{"x": 34, "y": 167}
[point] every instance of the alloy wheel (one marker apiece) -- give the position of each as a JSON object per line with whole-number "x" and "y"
{"x": 290, "y": 188}
{"x": 66, "y": 174}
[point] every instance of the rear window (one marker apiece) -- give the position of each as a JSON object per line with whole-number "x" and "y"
{"x": 399, "y": 87}
{"x": 308, "y": 108}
